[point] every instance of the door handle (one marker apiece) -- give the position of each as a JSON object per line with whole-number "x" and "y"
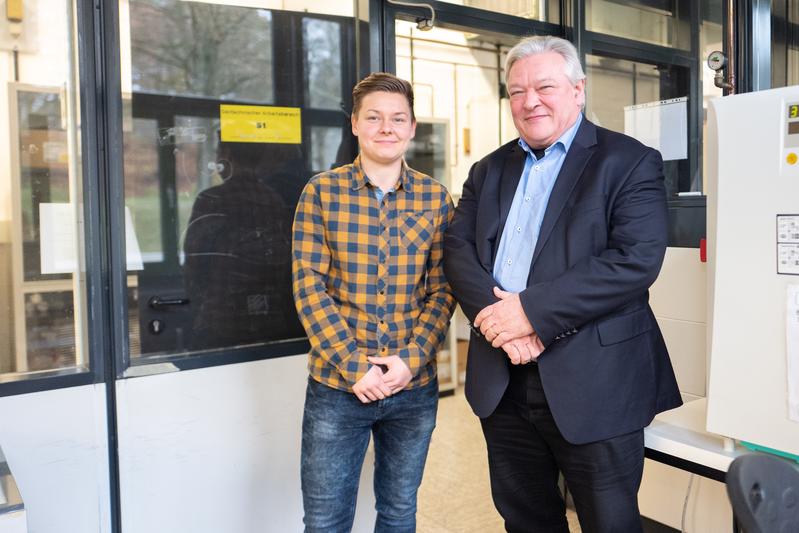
{"x": 157, "y": 302}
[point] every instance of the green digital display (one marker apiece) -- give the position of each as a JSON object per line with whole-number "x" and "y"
{"x": 793, "y": 111}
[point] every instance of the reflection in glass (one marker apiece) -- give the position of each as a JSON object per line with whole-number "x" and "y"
{"x": 142, "y": 187}
{"x": 42, "y": 299}
{"x": 663, "y": 22}
{"x": 237, "y": 249}
{"x": 213, "y": 218}
{"x": 196, "y": 166}
{"x": 50, "y": 324}
{"x": 325, "y": 143}
{"x": 428, "y": 151}
{"x": 785, "y": 43}
{"x": 322, "y": 45}
{"x": 201, "y": 49}
{"x": 613, "y": 84}
{"x": 543, "y": 10}
{"x": 44, "y": 171}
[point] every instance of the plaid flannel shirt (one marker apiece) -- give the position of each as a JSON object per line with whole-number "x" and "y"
{"x": 368, "y": 275}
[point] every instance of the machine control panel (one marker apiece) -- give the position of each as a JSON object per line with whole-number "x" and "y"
{"x": 790, "y": 155}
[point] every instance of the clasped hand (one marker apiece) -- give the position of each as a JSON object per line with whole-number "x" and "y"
{"x": 377, "y": 385}
{"x": 505, "y": 325}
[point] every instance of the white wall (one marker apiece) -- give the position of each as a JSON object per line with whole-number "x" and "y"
{"x": 218, "y": 449}
{"x": 55, "y": 443}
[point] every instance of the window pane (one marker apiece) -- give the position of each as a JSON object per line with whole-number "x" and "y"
{"x": 785, "y": 43}
{"x": 42, "y": 303}
{"x": 219, "y": 141}
{"x": 325, "y": 143}
{"x": 648, "y": 102}
{"x": 322, "y": 45}
{"x": 543, "y": 10}
{"x": 461, "y": 115}
{"x": 201, "y": 49}
{"x": 663, "y": 22}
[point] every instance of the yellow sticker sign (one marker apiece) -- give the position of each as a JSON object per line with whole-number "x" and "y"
{"x": 260, "y": 124}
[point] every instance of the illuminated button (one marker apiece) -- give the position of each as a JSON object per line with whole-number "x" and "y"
{"x": 792, "y": 158}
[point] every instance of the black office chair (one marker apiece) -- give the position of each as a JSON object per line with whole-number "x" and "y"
{"x": 764, "y": 493}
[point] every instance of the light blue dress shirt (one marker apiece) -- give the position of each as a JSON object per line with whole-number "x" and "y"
{"x": 519, "y": 238}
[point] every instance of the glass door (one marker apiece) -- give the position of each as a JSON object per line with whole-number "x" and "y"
{"x": 228, "y": 111}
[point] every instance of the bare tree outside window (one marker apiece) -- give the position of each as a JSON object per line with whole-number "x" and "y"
{"x": 198, "y": 49}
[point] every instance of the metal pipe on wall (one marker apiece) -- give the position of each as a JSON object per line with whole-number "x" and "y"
{"x": 730, "y": 38}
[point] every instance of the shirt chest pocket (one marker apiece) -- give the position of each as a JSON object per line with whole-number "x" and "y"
{"x": 415, "y": 229}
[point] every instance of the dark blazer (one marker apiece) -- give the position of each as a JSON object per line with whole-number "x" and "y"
{"x": 605, "y": 370}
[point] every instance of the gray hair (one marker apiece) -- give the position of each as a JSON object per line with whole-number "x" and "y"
{"x": 541, "y": 44}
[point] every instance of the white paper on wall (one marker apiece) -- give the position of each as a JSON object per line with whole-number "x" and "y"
{"x": 57, "y": 234}
{"x": 57, "y": 249}
{"x": 792, "y": 344}
{"x": 662, "y": 125}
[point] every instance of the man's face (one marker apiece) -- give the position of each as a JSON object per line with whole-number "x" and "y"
{"x": 543, "y": 102}
{"x": 384, "y": 127}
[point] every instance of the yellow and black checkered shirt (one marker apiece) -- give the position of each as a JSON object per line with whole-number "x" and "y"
{"x": 368, "y": 274}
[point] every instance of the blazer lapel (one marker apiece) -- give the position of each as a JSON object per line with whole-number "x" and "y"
{"x": 571, "y": 171}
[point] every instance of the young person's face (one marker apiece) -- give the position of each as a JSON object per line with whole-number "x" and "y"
{"x": 384, "y": 127}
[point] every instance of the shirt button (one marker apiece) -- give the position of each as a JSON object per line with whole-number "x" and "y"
{"x": 526, "y": 198}
{"x": 518, "y": 229}
{"x": 510, "y": 261}
{"x": 537, "y": 168}
{"x": 383, "y": 349}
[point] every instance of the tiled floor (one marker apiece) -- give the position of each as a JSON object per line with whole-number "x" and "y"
{"x": 455, "y": 496}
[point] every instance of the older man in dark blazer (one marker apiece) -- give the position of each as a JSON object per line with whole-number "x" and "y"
{"x": 553, "y": 247}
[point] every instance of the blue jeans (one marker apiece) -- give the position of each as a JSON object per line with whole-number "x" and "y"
{"x": 335, "y": 434}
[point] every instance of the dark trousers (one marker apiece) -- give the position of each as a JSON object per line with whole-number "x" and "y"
{"x": 526, "y": 452}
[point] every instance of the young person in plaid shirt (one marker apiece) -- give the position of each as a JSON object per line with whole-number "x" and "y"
{"x": 370, "y": 291}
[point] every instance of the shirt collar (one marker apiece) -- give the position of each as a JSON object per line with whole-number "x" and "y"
{"x": 360, "y": 179}
{"x": 565, "y": 140}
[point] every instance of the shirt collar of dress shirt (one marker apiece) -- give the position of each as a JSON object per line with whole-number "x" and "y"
{"x": 565, "y": 140}
{"x": 360, "y": 179}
